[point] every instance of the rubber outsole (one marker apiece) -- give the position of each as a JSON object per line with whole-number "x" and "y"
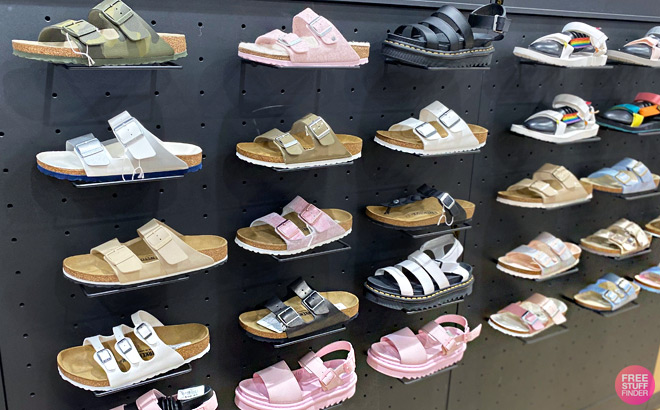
{"x": 532, "y": 276}
{"x": 286, "y": 253}
{"x": 542, "y": 205}
{"x": 114, "y": 178}
{"x": 421, "y": 151}
{"x": 421, "y": 57}
{"x": 282, "y": 165}
{"x": 627, "y": 58}
{"x": 555, "y": 139}
{"x": 99, "y": 62}
{"x": 625, "y": 128}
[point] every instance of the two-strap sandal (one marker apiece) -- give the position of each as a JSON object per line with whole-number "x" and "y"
{"x": 578, "y": 45}
{"x": 113, "y": 35}
{"x": 310, "y": 142}
{"x": 431, "y": 277}
{"x": 305, "y": 314}
{"x": 609, "y": 293}
{"x": 134, "y": 154}
{"x": 639, "y": 117}
{"x": 649, "y": 279}
{"x": 653, "y": 227}
{"x": 644, "y": 51}
{"x": 132, "y": 355}
{"x": 551, "y": 186}
{"x": 544, "y": 257}
{"x": 301, "y": 227}
{"x": 627, "y": 176}
{"x": 317, "y": 384}
{"x": 406, "y": 355}
{"x": 313, "y": 42}
{"x": 622, "y": 238}
{"x": 570, "y": 119}
{"x": 192, "y": 398}
{"x": 529, "y": 317}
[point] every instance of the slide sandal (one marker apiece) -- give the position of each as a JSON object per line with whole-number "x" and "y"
{"x": 428, "y": 207}
{"x": 406, "y": 355}
{"x": 135, "y": 153}
{"x": 640, "y": 116}
{"x": 578, "y": 45}
{"x": 192, "y": 398}
{"x": 609, "y": 293}
{"x": 158, "y": 252}
{"x": 571, "y": 119}
{"x": 653, "y": 227}
{"x": 316, "y": 385}
{"x": 620, "y": 239}
{"x": 544, "y": 257}
{"x": 644, "y": 51}
{"x": 438, "y": 130}
{"x": 310, "y": 142}
{"x": 649, "y": 279}
{"x": 132, "y": 355}
{"x": 114, "y": 35}
{"x": 625, "y": 177}
{"x": 314, "y": 42}
{"x": 529, "y": 317}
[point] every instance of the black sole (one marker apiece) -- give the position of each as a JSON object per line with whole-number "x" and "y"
{"x": 305, "y": 336}
{"x": 412, "y": 55}
{"x": 626, "y": 128}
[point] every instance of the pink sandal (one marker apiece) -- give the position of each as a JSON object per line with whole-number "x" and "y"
{"x": 406, "y": 355}
{"x": 315, "y": 386}
{"x": 193, "y": 398}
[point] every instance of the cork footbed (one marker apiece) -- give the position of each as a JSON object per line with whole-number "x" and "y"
{"x": 610, "y": 186}
{"x": 594, "y": 301}
{"x": 421, "y": 213}
{"x": 511, "y": 323}
{"x": 78, "y": 364}
{"x": 516, "y": 266}
{"x": 248, "y": 320}
{"x": 525, "y": 195}
{"x": 93, "y": 268}
{"x": 278, "y": 52}
{"x": 408, "y": 139}
{"x": 608, "y": 248}
{"x": 265, "y": 237}
{"x": 268, "y": 152}
{"x": 651, "y": 227}
{"x": 650, "y": 279}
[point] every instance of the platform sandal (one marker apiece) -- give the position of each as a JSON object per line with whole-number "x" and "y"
{"x": 529, "y": 317}
{"x": 551, "y": 186}
{"x": 317, "y": 384}
{"x": 622, "y": 238}
{"x": 439, "y": 130}
{"x": 609, "y": 293}
{"x": 192, "y": 398}
{"x": 132, "y": 355}
{"x": 314, "y": 42}
{"x": 448, "y": 39}
{"x": 625, "y": 177}
{"x": 428, "y": 207}
{"x": 544, "y": 257}
{"x": 114, "y": 35}
{"x": 306, "y": 314}
{"x": 578, "y": 45}
{"x": 653, "y": 227}
{"x": 649, "y": 279}
{"x": 429, "y": 278}
{"x": 640, "y": 116}
{"x": 406, "y": 355}
{"x": 644, "y": 51}
{"x": 310, "y": 142}
{"x": 571, "y": 119}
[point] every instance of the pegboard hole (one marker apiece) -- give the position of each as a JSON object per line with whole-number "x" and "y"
{"x": 200, "y": 24}
{"x": 156, "y": 93}
{"x": 243, "y": 26}
{"x": 47, "y": 18}
{"x": 67, "y": 233}
{"x": 57, "y": 131}
{"x": 201, "y": 92}
{"x": 201, "y": 59}
{"x": 282, "y": 91}
{"x": 54, "y": 95}
{"x": 107, "y": 93}
{"x": 10, "y": 205}
{"x": 202, "y": 125}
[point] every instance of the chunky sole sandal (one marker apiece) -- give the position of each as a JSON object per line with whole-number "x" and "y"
{"x": 569, "y": 136}
{"x": 192, "y": 398}
{"x": 529, "y": 317}
{"x": 639, "y": 117}
{"x": 608, "y": 294}
{"x": 625, "y": 177}
{"x": 429, "y": 58}
{"x": 649, "y": 280}
{"x": 644, "y": 51}
{"x": 623, "y": 57}
{"x": 622, "y": 238}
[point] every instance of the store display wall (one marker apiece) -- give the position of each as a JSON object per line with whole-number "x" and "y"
{"x": 217, "y": 101}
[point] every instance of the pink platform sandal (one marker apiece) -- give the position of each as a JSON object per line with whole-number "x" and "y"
{"x": 406, "y": 355}
{"x": 192, "y": 398}
{"x": 315, "y": 386}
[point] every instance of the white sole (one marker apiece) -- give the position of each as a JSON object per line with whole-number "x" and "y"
{"x": 541, "y": 205}
{"x": 609, "y": 255}
{"x": 531, "y": 276}
{"x": 580, "y": 61}
{"x": 423, "y": 152}
{"x": 617, "y": 55}
{"x": 285, "y": 253}
{"x": 508, "y": 332}
{"x": 303, "y": 165}
{"x": 652, "y": 234}
{"x": 556, "y": 139}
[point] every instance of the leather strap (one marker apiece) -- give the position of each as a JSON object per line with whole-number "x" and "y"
{"x": 124, "y": 18}
{"x": 410, "y": 349}
{"x": 549, "y": 307}
{"x": 283, "y": 140}
{"x": 329, "y": 378}
{"x": 527, "y": 317}
{"x": 491, "y": 17}
{"x": 284, "y": 314}
{"x": 311, "y": 299}
{"x": 455, "y": 18}
{"x": 162, "y": 242}
{"x": 130, "y": 134}
{"x": 119, "y": 257}
{"x": 89, "y": 150}
{"x": 289, "y": 41}
{"x": 281, "y": 385}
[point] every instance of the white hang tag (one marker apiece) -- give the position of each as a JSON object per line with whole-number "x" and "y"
{"x": 271, "y": 322}
{"x": 190, "y": 393}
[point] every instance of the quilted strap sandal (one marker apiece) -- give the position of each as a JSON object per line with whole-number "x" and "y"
{"x": 571, "y": 119}
{"x": 551, "y": 186}
{"x": 644, "y": 51}
{"x": 192, "y": 398}
{"x": 448, "y": 39}
{"x": 640, "y": 116}
{"x": 609, "y": 293}
{"x": 132, "y": 355}
{"x": 310, "y": 142}
{"x": 649, "y": 279}
{"x": 430, "y": 277}
{"x": 619, "y": 239}
{"x": 543, "y": 257}
{"x": 625, "y": 177}
{"x": 529, "y": 317}
{"x": 301, "y": 227}
{"x": 439, "y": 130}
{"x": 114, "y": 35}
{"x": 307, "y": 313}
{"x": 406, "y": 355}
{"x": 316, "y": 385}
{"x": 653, "y": 227}
{"x": 314, "y": 42}
{"x": 158, "y": 252}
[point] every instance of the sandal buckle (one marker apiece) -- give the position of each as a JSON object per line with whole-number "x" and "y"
{"x": 286, "y": 144}
{"x": 104, "y": 356}
{"x": 290, "y": 313}
{"x": 330, "y": 380}
{"x": 612, "y": 296}
{"x": 313, "y": 301}
{"x": 640, "y": 169}
{"x": 124, "y": 346}
{"x": 496, "y": 23}
{"x": 310, "y": 214}
{"x": 529, "y": 318}
{"x": 119, "y": 254}
{"x": 145, "y": 333}
{"x": 158, "y": 238}
{"x": 283, "y": 41}
{"x": 128, "y": 131}
{"x": 316, "y": 31}
{"x": 449, "y": 118}
{"x": 125, "y": 12}
{"x": 623, "y": 177}
{"x": 285, "y": 229}
{"x": 427, "y": 131}
{"x": 319, "y": 123}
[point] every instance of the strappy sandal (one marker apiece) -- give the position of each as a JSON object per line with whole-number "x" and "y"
{"x": 653, "y": 227}
{"x": 314, "y": 42}
{"x": 105, "y": 363}
{"x": 135, "y": 153}
{"x": 644, "y": 51}
{"x": 571, "y": 119}
{"x": 529, "y": 317}
{"x": 310, "y": 142}
{"x": 544, "y": 257}
{"x": 316, "y": 385}
{"x": 430, "y": 277}
{"x": 609, "y": 293}
{"x": 192, "y": 398}
{"x": 406, "y": 355}
{"x": 551, "y": 186}
{"x": 438, "y": 131}
{"x": 640, "y": 116}
{"x": 428, "y": 207}
{"x": 620, "y": 239}
{"x": 306, "y": 314}
{"x": 649, "y": 279}
{"x": 301, "y": 227}
{"x": 114, "y": 35}
{"x": 578, "y": 45}
{"x": 626, "y": 176}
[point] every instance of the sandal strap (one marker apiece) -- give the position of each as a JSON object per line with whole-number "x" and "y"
{"x": 164, "y": 242}
{"x": 557, "y": 245}
{"x": 622, "y": 283}
{"x": 549, "y": 307}
{"x": 289, "y": 41}
{"x": 491, "y": 17}
{"x": 650, "y": 41}
{"x": 284, "y": 141}
{"x": 424, "y": 279}
{"x": 626, "y": 243}
{"x": 286, "y": 230}
{"x": 410, "y": 349}
{"x": 453, "y": 17}
{"x": 130, "y": 134}
{"x": 405, "y": 286}
{"x": 449, "y": 204}
{"x": 648, "y": 97}
{"x": 318, "y": 221}
{"x": 431, "y": 267}
{"x": 89, "y": 150}
{"x": 557, "y": 173}
{"x": 584, "y": 109}
{"x": 527, "y": 317}
{"x": 598, "y": 38}
{"x": 312, "y": 300}
{"x": 544, "y": 260}
{"x": 631, "y": 229}
{"x": 627, "y": 181}
{"x": 149, "y": 400}
{"x": 541, "y": 188}
{"x": 308, "y": 23}
{"x": 437, "y": 27}
{"x": 125, "y": 19}
{"x": 281, "y": 384}
{"x": 328, "y": 377}
{"x": 449, "y": 341}
{"x": 120, "y": 258}
{"x": 447, "y": 118}
{"x": 285, "y": 314}
{"x": 80, "y": 31}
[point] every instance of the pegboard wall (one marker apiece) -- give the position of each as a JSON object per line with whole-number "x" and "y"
{"x": 216, "y": 101}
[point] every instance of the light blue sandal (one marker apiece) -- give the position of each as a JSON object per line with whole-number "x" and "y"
{"x": 609, "y": 293}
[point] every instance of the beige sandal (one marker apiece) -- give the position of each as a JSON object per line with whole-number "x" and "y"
{"x": 544, "y": 257}
{"x": 619, "y": 239}
{"x": 653, "y": 227}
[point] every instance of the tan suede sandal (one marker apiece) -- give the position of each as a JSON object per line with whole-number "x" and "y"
{"x": 620, "y": 239}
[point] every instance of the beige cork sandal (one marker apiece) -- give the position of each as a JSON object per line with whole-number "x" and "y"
{"x": 653, "y": 227}
{"x": 622, "y": 238}
{"x": 159, "y": 252}
{"x": 132, "y": 355}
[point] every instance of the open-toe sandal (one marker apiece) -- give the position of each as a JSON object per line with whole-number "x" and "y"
{"x": 649, "y": 279}
{"x": 192, "y": 398}
{"x": 653, "y": 227}
{"x": 640, "y": 116}
{"x": 529, "y": 317}
{"x": 622, "y": 238}
{"x": 609, "y": 293}
{"x": 625, "y": 177}
{"x": 544, "y": 257}
{"x": 644, "y": 51}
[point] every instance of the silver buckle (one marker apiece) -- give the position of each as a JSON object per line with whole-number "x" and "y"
{"x": 280, "y": 316}
{"x": 426, "y": 130}
{"x": 612, "y": 296}
{"x": 285, "y": 43}
{"x": 315, "y": 31}
{"x": 131, "y": 127}
{"x": 321, "y": 135}
{"x": 144, "y": 332}
{"x": 104, "y": 356}
{"x": 640, "y": 169}
{"x": 446, "y": 121}
{"x": 89, "y": 148}
{"x": 496, "y": 20}
{"x": 158, "y": 238}
{"x": 310, "y": 296}
{"x": 289, "y": 144}
{"x": 624, "y": 285}
{"x": 622, "y": 177}
{"x": 124, "y": 346}
{"x": 529, "y": 321}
